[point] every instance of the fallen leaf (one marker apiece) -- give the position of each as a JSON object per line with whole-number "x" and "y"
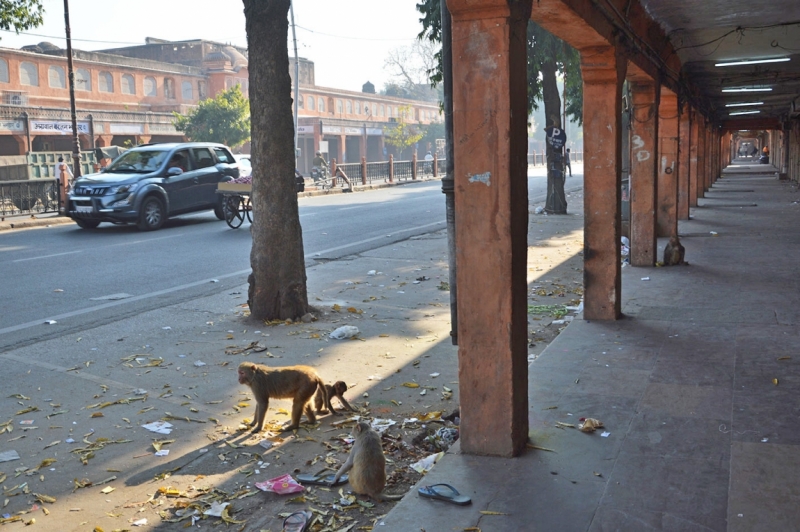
{"x": 490, "y": 512}
{"x": 410, "y": 385}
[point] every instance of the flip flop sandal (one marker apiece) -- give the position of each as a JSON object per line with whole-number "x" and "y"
{"x": 449, "y": 494}
{"x": 321, "y": 480}
{"x": 297, "y": 522}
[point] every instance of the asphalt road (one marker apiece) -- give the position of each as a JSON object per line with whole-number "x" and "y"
{"x": 82, "y": 279}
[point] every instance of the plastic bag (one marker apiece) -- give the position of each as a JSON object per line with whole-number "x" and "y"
{"x": 345, "y": 331}
{"x": 281, "y": 485}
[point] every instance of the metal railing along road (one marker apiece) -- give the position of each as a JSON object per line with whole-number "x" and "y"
{"x": 539, "y": 159}
{"x": 28, "y": 197}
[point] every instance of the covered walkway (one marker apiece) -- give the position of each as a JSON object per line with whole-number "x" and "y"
{"x": 697, "y": 387}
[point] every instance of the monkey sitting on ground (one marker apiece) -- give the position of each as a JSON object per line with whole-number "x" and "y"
{"x": 366, "y": 464}
{"x": 337, "y": 390}
{"x": 291, "y": 382}
{"x": 674, "y": 252}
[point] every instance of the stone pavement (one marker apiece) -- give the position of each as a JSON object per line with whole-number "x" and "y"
{"x": 697, "y": 388}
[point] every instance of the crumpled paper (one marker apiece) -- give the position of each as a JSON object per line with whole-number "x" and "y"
{"x": 343, "y": 332}
{"x": 590, "y": 424}
{"x": 159, "y": 427}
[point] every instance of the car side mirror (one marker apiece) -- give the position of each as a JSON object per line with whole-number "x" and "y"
{"x": 174, "y": 171}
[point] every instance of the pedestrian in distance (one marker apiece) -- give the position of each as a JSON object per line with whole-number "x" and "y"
{"x": 63, "y": 171}
{"x": 428, "y": 163}
{"x": 567, "y": 163}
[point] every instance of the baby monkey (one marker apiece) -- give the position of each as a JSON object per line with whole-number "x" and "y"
{"x": 298, "y": 383}
{"x": 337, "y": 390}
{"x": 674, "y": 252}
{"x": 366, "y": 464}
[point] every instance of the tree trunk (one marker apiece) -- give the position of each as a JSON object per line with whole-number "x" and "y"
{"x": 278, "y": 282}
{"x": 556, "y": 202}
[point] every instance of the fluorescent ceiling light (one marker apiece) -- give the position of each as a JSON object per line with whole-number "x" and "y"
{"x": 754, "y": 61}
{"x": 744, "y": 113}
{"x": 745, "y": 89}
{"x": 743, "y": 104}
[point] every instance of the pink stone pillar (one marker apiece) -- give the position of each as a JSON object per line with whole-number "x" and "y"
{"x": 644, "y": 176}
{"x": 667, "y": 211}
{"x": 684, "y": 153}
{"x": 603, "y": 75}
{"x": 693, "y": 158}
{"x": 491, "y": 207}
{"x": 701, "y": 156}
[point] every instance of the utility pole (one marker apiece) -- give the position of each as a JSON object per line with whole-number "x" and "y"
{"x": 76, "y": 144}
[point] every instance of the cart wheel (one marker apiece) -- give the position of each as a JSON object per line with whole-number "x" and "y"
{"x": 248, "y": 209}
{"x": 234, "y": 215}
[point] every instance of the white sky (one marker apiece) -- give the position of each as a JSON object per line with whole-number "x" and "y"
{"x": 348, "y": 40}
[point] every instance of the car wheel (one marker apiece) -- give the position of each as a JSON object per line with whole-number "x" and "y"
{"x": 219, "y": 211}
{"x": 87, "y": 224}
{"x": 152, "y": 215}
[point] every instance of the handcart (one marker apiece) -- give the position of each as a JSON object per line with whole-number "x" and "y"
{"x": 236, "y": 203}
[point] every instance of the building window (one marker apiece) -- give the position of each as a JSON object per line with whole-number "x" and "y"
{"x": 380, "y": 110}
{"x": 3, "y": 71}
{"x": 149, "y": 86}
{"x": 349, "y": 107}
{"x": 321, "y": 105}
{"x": 228, "y": 83}
{"x": 127, "y": 84}
{"x": 169, "y": 88}
{"x": 55, "y": 74}
{"x": 201, "y": 90}
{"x": 339, "y": 107}
{"x": 311, "y": 100}
{"x": 105, "y": 83}
{"x": 186, "y": 90}
{"x": 300, "y": 101}
{"x": 83, "y": 81}
{"x": 28, "y": 74}
{"x": 358, "y": 108}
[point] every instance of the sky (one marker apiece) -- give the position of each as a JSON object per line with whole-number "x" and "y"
{"x": 348, "y": 40}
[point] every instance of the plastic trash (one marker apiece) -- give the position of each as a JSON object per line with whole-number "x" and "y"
{"x": 281, "y": 485}
{"x": 8, "y": 456}
{"x": 216, "y": 509}
{"x": 159, "y": 427}
{"x": 380, "y": 425}
{"x": 538, "y": 210}
{"x": 427, "y": 463}
{"x": 344, "y": 332}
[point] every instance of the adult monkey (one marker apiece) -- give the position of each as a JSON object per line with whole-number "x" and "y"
{"x": 366, "y": 464}
{"x": 298, "y": 383}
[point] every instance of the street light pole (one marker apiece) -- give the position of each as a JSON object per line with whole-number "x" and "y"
{"x": 76, "y": 145}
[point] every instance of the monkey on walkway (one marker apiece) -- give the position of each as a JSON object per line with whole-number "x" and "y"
{"x": 291, "y": 382}
{"x": 366, "y": 464}
{"x": 337, "y": 390}
{"x": 674, "y": 252}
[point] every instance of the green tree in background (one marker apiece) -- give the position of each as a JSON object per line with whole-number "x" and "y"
{"x": 548, "y": 56}
{"x": 20, "y": 14}
{"x": 404, "y": 134}
{"x": 224, "y": 119}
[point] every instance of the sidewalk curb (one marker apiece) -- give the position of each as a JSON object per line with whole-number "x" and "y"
{"x": 26, "y": 223}
{"x": 362, "y": 188}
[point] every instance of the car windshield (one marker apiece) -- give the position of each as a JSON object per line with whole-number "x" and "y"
{"x": 138, "y": 161}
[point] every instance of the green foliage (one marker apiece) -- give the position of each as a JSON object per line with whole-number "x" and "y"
{"x": 20, "y": 14}
{"x": 432, "y": 30}
{"x": 544, "y": 46}
{"x": 403, "y": 134}
{"x": 541, "y": 45}
{"x": 430, "y": 133}
{"x": 224, "y": 119}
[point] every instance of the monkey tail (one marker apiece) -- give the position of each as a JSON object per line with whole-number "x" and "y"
{"x": 392, "y": 497}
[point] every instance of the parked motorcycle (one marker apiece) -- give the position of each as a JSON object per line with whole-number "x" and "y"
{"x": 319, "y": 173}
